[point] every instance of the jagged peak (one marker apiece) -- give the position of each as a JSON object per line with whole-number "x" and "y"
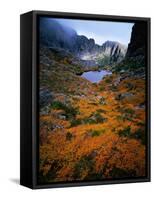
{"x": 110, "y": 42}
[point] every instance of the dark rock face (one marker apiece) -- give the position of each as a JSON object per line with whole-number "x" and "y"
{"x": 55, "y": 35}
{"x": 134, "y": 62}
{"x": 137, "y": 43}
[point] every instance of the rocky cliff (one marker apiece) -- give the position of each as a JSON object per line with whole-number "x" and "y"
{"x": 134, "y": 61}
{"x": 137, "y": 43}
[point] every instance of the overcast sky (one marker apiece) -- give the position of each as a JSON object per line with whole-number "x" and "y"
{"x": 101, "y": 31}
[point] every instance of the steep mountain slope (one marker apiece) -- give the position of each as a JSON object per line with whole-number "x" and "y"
{"x": 52, "y": 34}
{"x": 112, "y": 52}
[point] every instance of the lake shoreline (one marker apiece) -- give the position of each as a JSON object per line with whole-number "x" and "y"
{"x": 95, "y": 76}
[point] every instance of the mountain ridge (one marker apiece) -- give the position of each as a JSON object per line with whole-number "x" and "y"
{"x": 54, "y": 34}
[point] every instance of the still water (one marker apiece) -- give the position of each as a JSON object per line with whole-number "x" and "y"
{"x": 95, "y": 76}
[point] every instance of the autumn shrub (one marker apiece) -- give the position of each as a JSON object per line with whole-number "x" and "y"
{"x": 140, "y": 135}
{"x": 75, "y": 122}
{"x": 57, "y": 105}
{"x": 141, "y": 123}
{"x": 130, "y": 86}
{"x": 86, "y": 120}
{"x": 92, "y": 119}
{"x": 85, "y": 169}
{"x": 95, "y": 176}
{"x": 101, "y": 111}
{"x": 119, "y": 117}
{"x": 127, "y": 114}
{"x": 98, "y": 118}
{"x": 118, "y": 97}
{"x": 96, "y": 133}
{"x": 124, "y": 117}
{"x": 51, "y": 174}
{"x": 70, "y": 111}
{"x": 113, "y": 88}
{"x": 129, "y": 111}
{"x": 101, "y": 88}
{"x": 102, "y": 101}
{"x": 126, "y": 132}
{"x": 69, "y": 136}
{"x": 127, "y": 117}
{"x": 94, "y": 84}
{"x": 89, "y": 121}
{"x": 46, "y": 125}
{"x": 85, "y": 164}
{"x": 108, "y": 80}
{"x": 122, "y": 173}
{"x": 93, "y": 103}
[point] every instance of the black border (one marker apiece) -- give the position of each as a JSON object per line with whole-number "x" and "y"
{"x": 25, "y": 99}
{"x": 35, "y": 97}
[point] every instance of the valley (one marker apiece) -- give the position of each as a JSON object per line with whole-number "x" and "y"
{"x": 90, "y": 128}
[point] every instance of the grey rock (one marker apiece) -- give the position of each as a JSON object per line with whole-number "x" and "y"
{"x": 57, "y": 126}
{"x": 45, "y": 97}
{"x": 124, "y": 95}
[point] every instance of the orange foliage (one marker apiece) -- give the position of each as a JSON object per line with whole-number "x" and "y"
{"x": 108, "y": 149}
